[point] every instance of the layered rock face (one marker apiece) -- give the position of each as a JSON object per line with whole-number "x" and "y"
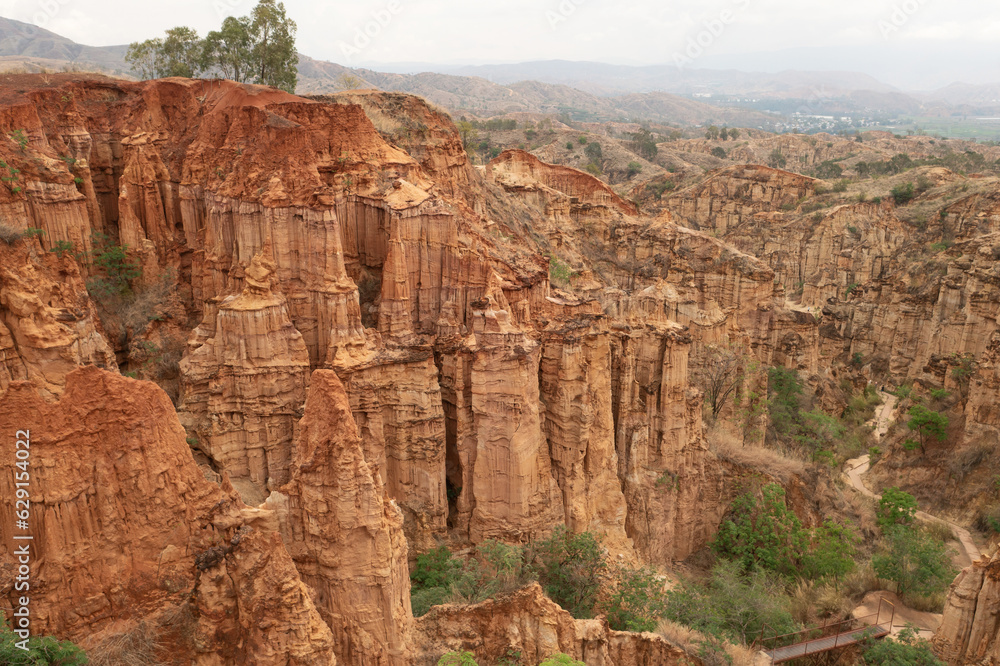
{"x": 244, "y": 386}
{"x": 529, "y": 623}
{"x": 344, "y": 534}
{"x": 396, "y": 403}
{"x": 424, "y": 132}
{"x": 970, "y": 630}
{"x": 728, "y": 197}
{"x": 816, "y": 256}
{"x": 575, "y": 388}
{"x": 48, "y": 323}
{"x": 515, "y": 496}
{"x": 935, "y": 308}
{"x": 127, "y": 526}
{"x": 673, "y": 486}
{"x": 549, "y": 185}
{"x": 397, "y": 302}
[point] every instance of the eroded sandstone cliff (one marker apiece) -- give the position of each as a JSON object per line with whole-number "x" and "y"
{"x": 530, "y": 625}
{"x": 970, "y": 630}
{"x": 125, "y": 524}
{"x": 48, "y": 323}
{"x": 378, "y": 360}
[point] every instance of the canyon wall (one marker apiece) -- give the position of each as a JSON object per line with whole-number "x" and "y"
{"x": 48, "y": 323}
{"x": 387, "y": 349}
{"x": 125, "y": 525}
{"x": 970, "y": 630}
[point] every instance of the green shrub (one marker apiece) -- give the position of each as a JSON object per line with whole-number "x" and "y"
{"x": 903, "y": 649}
{"x": 561, "y": 659}
{"x": 831, "y": 553}
{"x": 841, "y": 185}
{"x": 760, "y": 531}
{"x": 560, "y": 272}
{"x": 776, "y": 159}
{"x": 569, "y": 145}
{"x": 457, "y": 659}
{"x": 637, "y": 600}
{"x": 421, "y": 601}
{"x": 502, "y": 568}
{"x": 902, "y": 194}
{"x": 570, "y": 568}
{"x": 633, "y": 169}
{"x": 903, "y": 392}
{"x": 658, "y": 189}
{"x": 435, "y": 568}
{"x": 594, "y": 153}
{"x": 828, "y": 170}
{"x": 20, "y": 138}
{"x": 733, "y": 605}
{"x": 896, "y": 507}
{"x": 928, "y": 424}
{"x": 42, "y": 650}
{"x": 914, "y": 560}
{"x": 117, "y": 270}
{"x": 439, "y": 577}
{"x": 62, "y": 247}
{"x": 719, "y": 152}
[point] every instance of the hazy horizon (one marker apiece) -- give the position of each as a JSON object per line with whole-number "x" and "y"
{"x": 911, "y": 44}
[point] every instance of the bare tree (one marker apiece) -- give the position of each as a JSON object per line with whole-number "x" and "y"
{"x": 721, "y": 375}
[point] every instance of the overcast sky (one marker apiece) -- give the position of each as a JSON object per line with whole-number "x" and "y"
{"x": 637, "y": 32}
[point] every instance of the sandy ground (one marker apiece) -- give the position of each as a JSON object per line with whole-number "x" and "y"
{"x": 901, "y": 615}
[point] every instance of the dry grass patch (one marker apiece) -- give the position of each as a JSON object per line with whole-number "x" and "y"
{"x": 861, "y": 581}
{"x": 726, "y": 445}
{"x": 9, "y": 234}
{"x": 137, "y": 647}
{"x": 712, "y": 652}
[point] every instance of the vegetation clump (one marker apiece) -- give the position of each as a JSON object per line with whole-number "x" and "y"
{"x": 259, "y": 48}
{"x": 571, "y": 568}
{"x": 37, "y": 650}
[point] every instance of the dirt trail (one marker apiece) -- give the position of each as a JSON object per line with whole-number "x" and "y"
{"x": 855, "y": 469}
{"x": 883, "y": 417}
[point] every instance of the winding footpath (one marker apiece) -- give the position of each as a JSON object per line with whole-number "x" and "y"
{"x": 856, "y": 468}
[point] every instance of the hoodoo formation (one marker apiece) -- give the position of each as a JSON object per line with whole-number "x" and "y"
{"x": 279, "y": 353}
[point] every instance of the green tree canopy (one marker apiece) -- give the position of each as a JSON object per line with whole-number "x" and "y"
{"x": 229, "y": 49}
{"x": 832, "y": 551}
{"x": 895, "y": 507}
{"x": 905, "y": 649}
{"x": 760, "y": 530}
{"x": 734, "y": 605}
{"x": 273, "y": 56}
{"x": 259, "y": 48}
{"x": 41, "y": 650}
{"x": 913, "y": 559}
{"x": 570, "y": 567}
{"x": 927, "y": 423}
{"x": 180, "y": 53}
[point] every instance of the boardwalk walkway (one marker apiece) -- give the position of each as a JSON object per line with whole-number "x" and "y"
{"x": 817, "y": 645}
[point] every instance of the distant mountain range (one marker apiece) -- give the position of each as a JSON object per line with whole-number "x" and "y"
{"x": 585, "y": 90}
